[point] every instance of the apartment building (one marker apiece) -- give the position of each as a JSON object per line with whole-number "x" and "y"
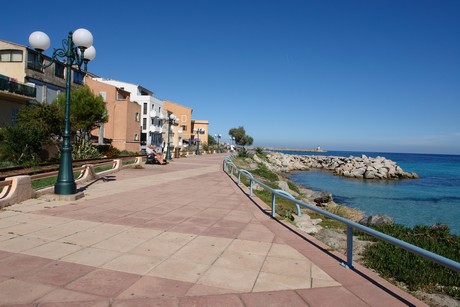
{"x": 24, "y": 81}
{"x": 181, "y": 131}
{"x": 123, "y": 128}
{"x": 153, "y": 115}
{"x": 200, "y": 129}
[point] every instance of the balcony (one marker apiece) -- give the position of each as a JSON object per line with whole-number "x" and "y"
{"x": 153, "y": 114}
{"x": 6, "y": 84}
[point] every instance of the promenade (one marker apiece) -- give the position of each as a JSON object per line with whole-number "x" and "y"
{"x": 182, "y": 234}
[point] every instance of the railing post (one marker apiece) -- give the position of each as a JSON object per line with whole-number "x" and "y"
{"x": 273, "y": 204}
{"x": 349, "y": 246}
{"x": 239, "y": 175}
{"x": 250, "y": 186}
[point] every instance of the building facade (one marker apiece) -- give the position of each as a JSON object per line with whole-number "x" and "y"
{"x": 181, "y": 130}
{"x": 123, "y": 128}
{"x": 200, "y": 130}
{"x": 22, "y": 66}
{"x": 152, "y": 115}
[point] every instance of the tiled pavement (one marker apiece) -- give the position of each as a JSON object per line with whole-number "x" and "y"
{"x": 182, "y": 234}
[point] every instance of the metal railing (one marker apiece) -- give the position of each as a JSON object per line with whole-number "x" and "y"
{"x": 230, "y": 168}
{"x": 18, "y": 88}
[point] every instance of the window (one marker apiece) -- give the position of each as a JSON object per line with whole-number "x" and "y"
{"x": 144, "y": 111}
{"x": 184, "y": 118}
{"x": 32, "y": 61}
{"x": 184, "y": 127}
{"x": 120, "y": 95}
{"x": 59, "y": 70}
{"x": 144, "y": 123}
{"x": 137, "y": 117}
{"x": 77, "y": 77}
{"x": 136, "y": 137}
{"x": 10, "y": 56}
{"x": 153, "y": 106}
{"x": 103, "y": 95}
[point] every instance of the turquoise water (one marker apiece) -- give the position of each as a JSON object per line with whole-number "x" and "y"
{"x": 434, "y": 198}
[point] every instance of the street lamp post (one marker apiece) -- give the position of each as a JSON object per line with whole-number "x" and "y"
{"x": 198, "y": 131}
{"x": 77, "y": 50}
{"x": 218, "y": 136}
{"x": 171, "y": 119}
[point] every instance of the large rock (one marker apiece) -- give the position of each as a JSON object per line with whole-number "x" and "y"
{"x": 322, "y": 198}
{"x": 376, "y": 220}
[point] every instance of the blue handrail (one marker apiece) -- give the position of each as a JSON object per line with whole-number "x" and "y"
{"x": 350, "y": 224}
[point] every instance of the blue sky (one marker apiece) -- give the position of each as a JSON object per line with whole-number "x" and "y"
{"x": 344, "y": 75}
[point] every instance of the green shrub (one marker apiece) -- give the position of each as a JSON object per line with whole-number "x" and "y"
{"x": 413, "y": 270}
{"x": 110, "y": 151}
{"x": 264, "y": 172}
{"x": 83, "y": 149}
{"x": 243, "y": 153}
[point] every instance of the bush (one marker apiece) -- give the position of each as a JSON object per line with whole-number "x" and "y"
{"x": 264, "y": 172}
{"x": 413, "y": 270}
{"x": 243, "y": 153}
{"x": 83, "y": 149}
{"x": 109, "y": 151}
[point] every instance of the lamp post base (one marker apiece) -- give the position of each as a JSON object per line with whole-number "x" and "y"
{"x": 65, "y": 188}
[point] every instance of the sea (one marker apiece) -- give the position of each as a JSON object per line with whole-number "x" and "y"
{"x": 431, "y": 199}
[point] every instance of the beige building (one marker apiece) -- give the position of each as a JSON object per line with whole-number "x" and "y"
{"x": 200, "y": 130}
{"x": 22, "y": 80}
{"x": 124, "y": 124}
{"x": 181, "y": 130}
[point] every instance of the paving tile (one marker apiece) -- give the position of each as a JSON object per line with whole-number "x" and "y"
{"x": 54, "y": 233}
{"x": 154, "y": 287}
{"x": 225, "y": 300}
{"x": 248, "y": 246}
{"x": 97, "y": 303}
{"x": 103, "y": 282}
{"x": 20, "y": 292}
{"x": 274, "y": 299}
{"x": 245, "y": 260}
{"x": 228, "y": 278}
{"x": 202, "y": 249}
{"x": 127, "y": 240}
{"x": 287, "y": 266}
{"x": 274, "y": 282}
{"x": 179, "y": 270}
{"x": 65, "y": 297}
{"x": 21, "y": 243}
{"x": 321, "y": 278}
{"x": 131, "y": 263}
{"x": 53, "y": 250}
{"x": 17, "y": 264}
{"x": 284, "y": 251}
{"x": 375, "y": 296}
{"x": 91, "y": 256}
{"x": 200, "y": 290}
{"x": 56, "y": 273}
{"x": 334, "y": 296}
{"x": 23, "y": 228}
{"x": 146, "y": 302}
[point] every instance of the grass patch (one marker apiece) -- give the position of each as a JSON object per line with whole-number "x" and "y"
{"x": 47, "y": 182}
{"x": 416, "y": 272}
{"x": 102, "y": 168}
{"x": 264, "y": 172}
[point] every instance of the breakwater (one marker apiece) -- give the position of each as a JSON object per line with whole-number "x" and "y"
{"x": 362, "y": 167}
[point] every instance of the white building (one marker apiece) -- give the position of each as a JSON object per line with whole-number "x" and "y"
{"x": 152, "y": 115}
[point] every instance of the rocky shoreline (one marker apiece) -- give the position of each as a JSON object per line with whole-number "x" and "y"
{"x": 352, "y": 167}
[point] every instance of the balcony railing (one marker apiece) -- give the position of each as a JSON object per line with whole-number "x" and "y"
{"x": 7, "y": 84}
